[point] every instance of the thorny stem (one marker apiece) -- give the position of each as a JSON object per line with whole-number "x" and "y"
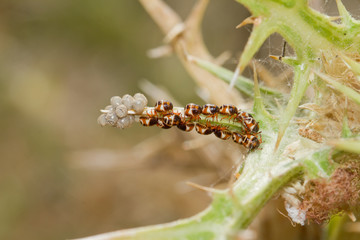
{"x": 259, "y": 107}
{"x": 301, "y": 82}
{"x": 227, "y": 212}
{"x": 257, "y": 38}
{"x": 265, "y": 171}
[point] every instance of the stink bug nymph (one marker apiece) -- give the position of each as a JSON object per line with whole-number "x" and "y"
{"x": 251, "y": 142}
{"x": 187, "y": 127}
{"x": 163, "y": 106}
{"x": 222, "y": 134}
{"x": 172, "y": 119}
{"x": 203, "y": 129}
{"x": 192, "y": 110}
{"x": 237, "y": 137}
{"x": 161, "y": 124}
{"x": 148, "y": 121}
{"x": 210, "y": 109}
{"x": 228, "y": 110}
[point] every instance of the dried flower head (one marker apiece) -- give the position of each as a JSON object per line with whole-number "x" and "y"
{"x": 326, "y": 197}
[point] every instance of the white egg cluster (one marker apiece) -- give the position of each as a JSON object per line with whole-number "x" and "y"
{"x": 121, "y": 113}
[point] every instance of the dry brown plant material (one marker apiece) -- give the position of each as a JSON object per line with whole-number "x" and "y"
{"x": 326, "y": 197}
{"x": 185, "y": 38}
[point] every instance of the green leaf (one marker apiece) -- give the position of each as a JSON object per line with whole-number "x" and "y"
{"x": 333, "y": 228}
{"x": 257, "y": 38}
{"x": 244, "y": 84}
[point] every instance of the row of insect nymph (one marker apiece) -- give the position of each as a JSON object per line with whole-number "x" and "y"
{"x": 199, "y": 117}
{"x": 205, "y": 119}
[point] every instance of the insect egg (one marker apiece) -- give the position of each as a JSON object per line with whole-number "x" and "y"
{"x": 115, "y": 101}
{"x": 131, "y": 119}
{"x": 111, "y": 118}
{"x": 139, "y": 96}
{"x": 123, "y": 122}
{"x": 109, "y": 108}
{"x": 138, "y": 105}
{"x": 102, "y": 120}
{"x": 121, "y": 110}
{"x": 128, "y": 101}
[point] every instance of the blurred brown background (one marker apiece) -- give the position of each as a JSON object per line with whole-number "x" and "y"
{"x": 62, "y": 175}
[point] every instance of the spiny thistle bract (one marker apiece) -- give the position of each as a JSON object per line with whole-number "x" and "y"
{"x": 313, "y": 157}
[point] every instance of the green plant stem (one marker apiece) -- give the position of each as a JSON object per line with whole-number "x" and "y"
{"x": 264, "y": 171}
{"x": 262, "y": 176}
{"x": 256, "y": 187}
{"x": 230, "y": 210}
{"x": 257, "y": 38}
{"x": 333, "y": 228}
{"x": 296, "y": 21}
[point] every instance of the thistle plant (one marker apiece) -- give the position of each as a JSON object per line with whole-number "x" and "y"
{"x": 310, "y": 142}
